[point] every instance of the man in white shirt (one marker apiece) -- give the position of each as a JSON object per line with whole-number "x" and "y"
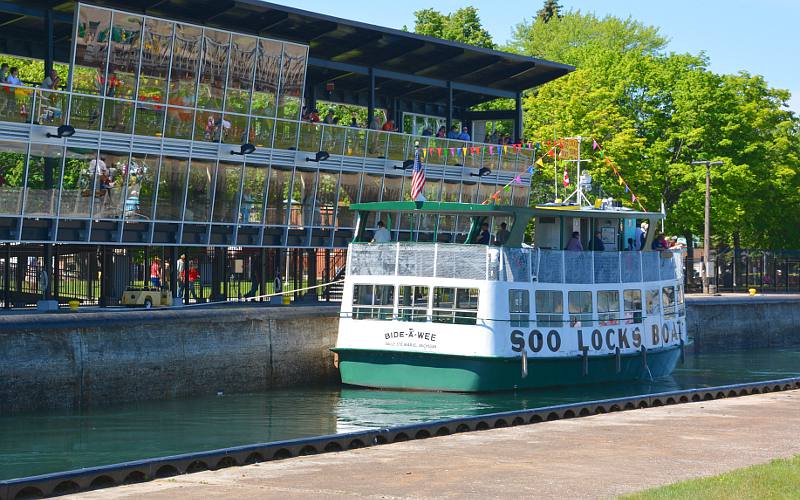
{"x": 382, "y": 234}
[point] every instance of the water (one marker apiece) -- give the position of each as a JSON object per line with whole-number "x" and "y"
{"x": 38, "y": 443}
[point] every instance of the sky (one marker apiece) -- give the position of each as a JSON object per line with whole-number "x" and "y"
{"x": 759, "y": 36}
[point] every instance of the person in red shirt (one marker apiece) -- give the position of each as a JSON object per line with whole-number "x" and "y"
{"x": 155, "y": 273}
{"x": 194, "y": 279}
{"x": 389, "y": 125}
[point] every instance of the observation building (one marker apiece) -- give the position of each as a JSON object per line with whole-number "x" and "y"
{"x": 180, "y": 126}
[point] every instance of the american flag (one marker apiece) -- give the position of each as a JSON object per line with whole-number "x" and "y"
{"x": 417, "y": 178}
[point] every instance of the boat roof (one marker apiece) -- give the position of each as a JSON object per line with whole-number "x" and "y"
{"x": 489, "y": 210}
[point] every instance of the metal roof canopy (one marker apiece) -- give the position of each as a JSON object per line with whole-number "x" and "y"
{"x": 351, "y": 54}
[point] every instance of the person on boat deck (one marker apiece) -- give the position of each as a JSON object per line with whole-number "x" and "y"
{"x": 574, "y": 243}
{"x": 381, "y": 234}
{"x": 631, "y": 245}
{"x": 659, "y": 243}
{"x": 484, "y": 237}
{"x": 597, "y": 243}
{"x": 502, "y": 235}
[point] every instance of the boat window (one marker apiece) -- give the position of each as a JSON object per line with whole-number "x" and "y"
{"x": 653, "y": 302}
{"x": 455, "y": 305}
{"x": 413, "y": 303}
{"x": 668, "y": 300}
{"x": 373, "y": 301}
{"x": 608, "y": 307}
{"x": 633, "y": 306}
{"x": 519, "y": 307}
{"x": 580, "y": 309}
{"x": 681, "y": 309}
{"x": 549, "y": 308}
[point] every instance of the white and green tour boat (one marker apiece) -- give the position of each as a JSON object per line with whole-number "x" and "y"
{"x": 477, "y": 317}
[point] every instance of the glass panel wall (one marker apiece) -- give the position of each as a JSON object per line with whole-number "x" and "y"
{"x": 292, "y": 80}
{"x": 303, "y": 194}
{"x": 123, "y": 66}
{"x": 240, "y": 73}
{"x": 139, "y": 178}
{"x": 349, "y": 187}
{"x": 44, "y": 179}
{"x": 171, "y": 187}
{"x": 226, "y": 195}
{"x": 109, "y": 183}
{"x": 77, "y": 188}
{"x": 214, "y": 69}
{"x": 268, "y": 71}
{"x": 185, "y": 65}
{"x": 198, "y": 194}
{"x": 13, "y": 156}
{"x": 252, "y": 204}
{"x": 325, "y": 205}
{"x": 156, "y": 55}
{"x": 91, "y": 51}
{"x": 278, "y": 196}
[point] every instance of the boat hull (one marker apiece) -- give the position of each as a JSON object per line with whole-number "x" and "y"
{"x": 441, "y": 372}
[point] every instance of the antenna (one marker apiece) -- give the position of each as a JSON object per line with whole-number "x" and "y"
{"x": 584, "y": 182}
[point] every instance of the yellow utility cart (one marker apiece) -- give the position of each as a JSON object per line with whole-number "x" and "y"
{"x": 147, "y": 297}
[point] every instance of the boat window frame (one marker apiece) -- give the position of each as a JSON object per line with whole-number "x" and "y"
{"x": 653, "y": 301}
{"x": 519, "y": 312}
{"x": 548, "y": 317}
{"x": 606, "y": 316}
{"x": 581, "y": 318}
{"x": 667, "y": 305}
{"x": 373, "y": 310}
{"x": 633, "y": 315}
{"x": 415, "y": 306}
{"x": 456, "y": 314}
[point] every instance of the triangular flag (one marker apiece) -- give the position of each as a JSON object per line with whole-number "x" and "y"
{"x": 626, "y": 188}
{"x": 491, "y": 150}
{"x": 566, "y": 178}
{"x": 465, "y": 151}
{"x": 439, "y": 151}
{"x": 424, "y": 153}
{"x": 517, "y": 179}
{"x": 505, "y": 149}
{"x": 620, "y": 181}
{"x": 594, "y": 145}
{"x": 507, "y": 188}
{"x": 452, "y": 151}
{"x": 551, "y": 153}
{"x": 633, "y": 197}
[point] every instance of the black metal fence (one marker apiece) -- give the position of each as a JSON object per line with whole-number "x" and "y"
{"x": 732, "y": 270}
{"x": 98, "y": 275}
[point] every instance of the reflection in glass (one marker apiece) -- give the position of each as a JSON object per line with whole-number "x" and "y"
{"x": 91, "y": 50}
{"x": 118, "y": 116}
{"x": 277, "y": 196}
{"x": 356, "y": 143}
{"x": 240, "y": 73}
{"x": 12, "y": 171}
{"x": 393, "y": 188}
{"x": 252, "y": 204}
{"x": 126, "y": 37}
{"x": 85, "y": 112}
{"x": 214, "y": 67}
{"x": 310, "y": 136}
{"x": 333, "y": 139}
{"x": 285, "y": 135}
{"x": 150, "y": 119}
{"x": 139, "y": 180}
{"x": 226, "y": 196}
{"x": 209, "y": 126}
{"x": 261, "y": 130}
{"x": 292, "y": 81}
{"x": 156, "y": 50}
{"x": 268, "y": 71}
{"x": 171, "y": 184}
{"x": 198, "y": 195}
{"x": 349, "y": 187}
{"x": 109, "y": 184}
{"x": 185, "y": 63}
{"x": 325, "y": 199}
{"x": 303, "y": 198}
{"x": 237, "y": 131}
{"x": 179, "y": 123}
{"x": 44, "y": 179}
{"x": 77, "y": 190}
{"x": 373, "y": 187}
{"x": 16, "y": 104}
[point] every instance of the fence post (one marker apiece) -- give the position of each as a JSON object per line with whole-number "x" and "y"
{"x": 7, "y": 278}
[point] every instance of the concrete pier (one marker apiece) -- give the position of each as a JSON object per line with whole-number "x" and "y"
{"x": 592, "y": 457}
{"x": 94, "y": 359}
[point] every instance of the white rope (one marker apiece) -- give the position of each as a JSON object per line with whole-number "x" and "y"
{"x": 246, "y": 299}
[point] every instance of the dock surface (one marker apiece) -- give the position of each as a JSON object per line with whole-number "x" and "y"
{"x": 591, "y": 457}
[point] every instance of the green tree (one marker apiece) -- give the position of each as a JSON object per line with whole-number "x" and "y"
{"x": 549, "y": 10}
{"x": 655, "y": 112}
{"x": 463, "y": 25}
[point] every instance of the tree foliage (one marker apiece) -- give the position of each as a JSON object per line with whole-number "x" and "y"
{"x": 463, "y": 25}
{"x": 655, "y": 112}
{"x": 549, "y": 10}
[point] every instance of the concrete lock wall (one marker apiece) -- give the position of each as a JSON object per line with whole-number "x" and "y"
{"x": 94, "y": 359}
{"x": 742, "y": 322}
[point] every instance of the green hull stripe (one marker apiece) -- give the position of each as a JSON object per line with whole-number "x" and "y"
{"x": 439, "y": 372}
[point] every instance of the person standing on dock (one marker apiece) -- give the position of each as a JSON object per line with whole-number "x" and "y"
{"x": 180, "y": 269}
{"x": 155, "y": 273}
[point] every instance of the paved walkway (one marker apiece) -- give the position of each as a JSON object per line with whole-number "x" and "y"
{"x": 592, "y": 457}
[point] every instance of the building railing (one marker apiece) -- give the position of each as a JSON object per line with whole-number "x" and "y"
{"x": 480, "y": 262}
{"x": 24, "y": 104}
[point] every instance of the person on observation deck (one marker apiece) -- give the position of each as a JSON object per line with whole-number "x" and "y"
{"x": 485, "y": 237}
{"x": 464, "y": 135}
{"x": 574, "y": 243}
{"x": 502, "y": 234}
{"x": 381, "y": 234}
{"x": 453, "y": 134}
{"x": 597, "y": 242}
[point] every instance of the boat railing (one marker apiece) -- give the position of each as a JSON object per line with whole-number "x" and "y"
{"x": 481, "y": 262}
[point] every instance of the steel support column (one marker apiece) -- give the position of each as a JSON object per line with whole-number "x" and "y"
{"x": 48, "y": 60}
{"x": 371, "y": 101}
{"x": 518, "y": 118}
{"x": 449, "y": 107}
